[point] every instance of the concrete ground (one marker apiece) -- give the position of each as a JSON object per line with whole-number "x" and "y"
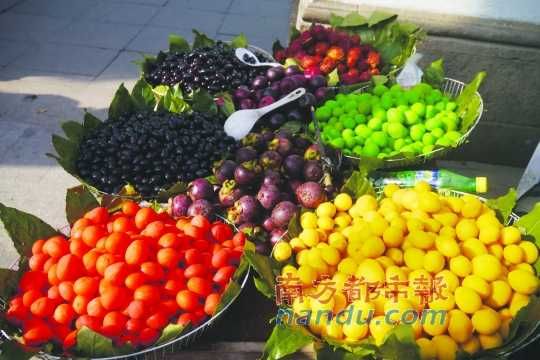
{"x": 60, "y": 57}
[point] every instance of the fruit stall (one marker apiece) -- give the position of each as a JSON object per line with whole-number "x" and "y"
{"x": 238, "y": 193}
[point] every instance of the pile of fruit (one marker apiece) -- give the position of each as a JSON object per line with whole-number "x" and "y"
{"x": 390, "y": 121}
{"x": 320, "y": 50}
{"x": 269, "y": 177}
{"x": 152, "y": 150}
{"x": 276, "y": 83}
{"x": 125, "y": 275}
{"x": 213, "y": 68}
{"x": 393, "y": 261}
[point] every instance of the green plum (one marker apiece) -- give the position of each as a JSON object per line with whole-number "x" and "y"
{"x": 338, "y": 143}
{"x": 360, "y": 119}
{"x": 370, "y": 149}
{"x": 337, "y": 111}
{"x": 417, "y": 131}
{"x": 419, "y": 109}
{"x": 433, "y": 123}
{"x": 427, "y": 149}
{"x": 347, "y": 121}
{"x": 357, "y": 150}
{"x": 398, "y": 144}
{"x": 428, "y": 139}
{"x": 364, "y": 107}
{"x": 375, "y": 123}
{"x": 380, "y": 89}
{"x": 323, "y": 113}
{"x": 397, "y": 130}
{"x": 451, "y": 106}
{"x": 437, "y": 133}
{"x": 379, "y": 138}
{"x": 394, "y": 115}
{"x": 411, "y": 117}
{"x": 363, "y": 131}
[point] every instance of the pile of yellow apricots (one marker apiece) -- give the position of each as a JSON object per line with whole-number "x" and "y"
{"x": 444, "y": 263}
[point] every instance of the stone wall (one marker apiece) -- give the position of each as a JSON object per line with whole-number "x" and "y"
{"x": 510, "y": 53}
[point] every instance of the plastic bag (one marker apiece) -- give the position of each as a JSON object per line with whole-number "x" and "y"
{"x": 411, "y": 73}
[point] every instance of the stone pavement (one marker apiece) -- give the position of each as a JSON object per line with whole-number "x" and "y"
{"x": 60, "y": 57}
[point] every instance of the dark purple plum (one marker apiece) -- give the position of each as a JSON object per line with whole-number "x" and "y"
{"x": 245, "y": 209}
{"x": 310, "y": 194}
{"x": 275, "y": 73}
{"x": 268, "y": 196}
{"x": 200, "y": 189}
{"x": 286, "y": 86}
{"x": 254, "y": 140}
{"x": 276, "y": 235}
{"x": 271, "y": 92}
{"x": 247, "y": 104}
{"x": 317, "y": 81}
{"x": 246, "y": 153}
{"x": 268, "y": 224}
{"x": 243, "y": 176}
{"x": 270, "y": 160}
{"x": 292, "y": 70}
{"x": 271, "y": 177}
{"x": 283, "y": 213}
{"x": 267, "y": 135}
{"x": 258, "y": 94}
{"x": 201, "y": 207}
{"x": 266, "y": 100}
{"x": 293, "y": 166}
{"x": 179, "y": 205}
{"x": 299, "y": 80}
{"x": 229, "y": 193}
{"x": 313, "y": 170}
{"x": 294, "y": 184}
{"x": 225, "y": 170}
{"x": 259, "y": 82}
{"x": 301, "y": 143}
{"x": 276, "y": 120}
{"x": 275, "y": 87}
{"x": 241, "y": 93}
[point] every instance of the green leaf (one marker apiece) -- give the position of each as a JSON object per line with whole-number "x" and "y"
{"x": 333, "y": 78}
{"x": 339, "y": 350}
{"x": 434, "y": 73}
{"x": 294, "y": 228}
{"x": 285, "y": 340}
{"x": 23, "y": 228}
{"x": 160, "y": 90}
{"x": 90, "y": 122}
{"x": 378, "y": 17}
{"x": 12, "y": 350}
{"x": 79, "y": 200}
{"x": 292, "y": 127}
{"x": 201, "y": 40}
{"x": 335, "y": 20}
{"x": 177, "y": 44}
{"x": 468, "y": 103}
{"x": 504, "y": 204}
{"x": 231, "y": 292}
{"x": 203, "y": 101}
{"x": 529, "y": 224}
{"x": 379, "y": 79}
{"x": 400, "y": 344}
{"x": 353, "y": 19}
{"x": 170, "y": 332}
{"x": 263, "y": 266}
{"x": 73, "y": 130}
{"x": 143, "y": 96}
{"x": 174, "y": 103}
{"x": 146, "y": 64}
{"x": 92, "y": 344}
{"x": 225, "y": 103}
{"x": 357, "y": 185}
{"x": 294, "y": 33}
{"x": 121, "y": 104}
{"x": 239, "y": 41}
{"x": 67, "y": 149}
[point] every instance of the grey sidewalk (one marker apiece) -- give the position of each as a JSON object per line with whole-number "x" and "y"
{"x": 60, "y": 57}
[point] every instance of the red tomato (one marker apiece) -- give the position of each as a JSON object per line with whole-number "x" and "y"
{"x": 172, "y": 286}
{"x": 37, "y": 246}
{"x": 42, "y": 307}
{"x": 153, "y": 270}
{"x": 117, "y": 243}
{"x": 123, "y": 224}
{"x": 79, "y": 304}
{"x": 88, "y": 321}
{"x": 89, "y": 261}
{"x": 239, "y": 239}
{"x": 192, "y": 256}
{"x": 135, "y": 280}
{"x": 143, "y": 217}
{"x": 157, "y": 321}
{"x": 98, "y": 215}
{"x": 135, "y": 325}
{"x": 116, "y": 273}
{"x": 224, "y": 274}
{"x": 103, "y": 261}
{"x": 228, "y": 244}
{"x": 91, "y": 234}
{"x": 200, "y": 286}
{"x": 194, "y": 231}
{"x": 30, "y": 296}
{"x": 70, "y": 340}
{"x": 148, "y": 336}
{"x": 187, "y": 300}
{"x": 195, "y": 270}
{"x": 36, "y": 262}
{"x": 130, "y": 208}
{"x": 37, "y": 335}
{"x": 201, "y": 245}
{"x": 201, "y": 222}
{"x": 77, "y": 247}
{"x": 221, "y": 232}
{"x": 137, "y": 252}
{"x": 170, "y": 307}
{"x": 185, "y": 318}
{"x": 69, "y": 267}
{"x": 114, "y": 322}
{"x": 56, "y": 246}
{"x": 154, "y": 230}
{"x": 115, "y": 298}
{"x": 211, "y": 303}
{"x": 65, "y": 288}
{"x": 54, "y": 294}
{"x": 64, "y": 314}
{"x": 136, "y": 309}
{"x": 52, "y": 278}
{"x": 221, "y": 258}
{"x": 169, "y": 240}
{"x": 168, "y": 257}
{"x": 147, "y": 293}
{"x": 86, "y": 285}
{"x": 94, "y": 308}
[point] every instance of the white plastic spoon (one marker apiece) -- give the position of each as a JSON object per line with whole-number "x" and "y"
{"x": 241, "y": 52}
{"x": 240, "y": 122}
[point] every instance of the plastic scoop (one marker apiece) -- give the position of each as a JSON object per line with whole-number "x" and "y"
{"x": 243, "y": 53}
{"x": 240, "y": 123}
